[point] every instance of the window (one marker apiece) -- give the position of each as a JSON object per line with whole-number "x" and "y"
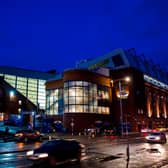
{"x": 54, "y": 101}
{"x": 82, "y": 96}
{"x": 11, "y": 79}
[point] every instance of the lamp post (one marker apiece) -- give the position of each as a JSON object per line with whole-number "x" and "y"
{"x": 122, "y": 94}
{"x": 11, "y": 95}
{"x": 121, "y": 110}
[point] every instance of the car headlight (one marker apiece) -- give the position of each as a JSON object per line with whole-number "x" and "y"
{"x": 158, "y": 138}
{"x": 29, "y": 153}
{"x": 42, "y": 155}
{"x": 147, "y": 137}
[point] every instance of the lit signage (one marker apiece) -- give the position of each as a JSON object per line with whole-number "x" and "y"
{"x": 155, "y": 82}
{"x": 123, "y": 94}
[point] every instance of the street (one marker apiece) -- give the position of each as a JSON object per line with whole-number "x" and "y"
{"x": 102, "y": 152}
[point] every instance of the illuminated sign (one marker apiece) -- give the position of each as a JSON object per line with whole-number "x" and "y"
{"x": 155, "y": 82}
{"x": 123, "y": 94}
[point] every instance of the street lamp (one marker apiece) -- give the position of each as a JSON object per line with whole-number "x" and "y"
{"x": 122, "y": 94}
{"x": 11, "y": 94}
{"x": 121, "y": 109}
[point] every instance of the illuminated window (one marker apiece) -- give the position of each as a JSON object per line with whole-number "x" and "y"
{"x": 79, "y": 108}
{"x": 82, "y": 96}
{"x": 72, "y": 108}
{"x": 54, "y": 102}
{"x": 72, "y": 91}
{"x": 79, "y": 100}
{"x": 72, "y": 100}
{"x": 66, "y": 109}
{"x": 11, "y": 79}
{"x": 85, "y": 101}
{"x": 85, "y": 108}
{"x": 41, "y": 93}
{"x": 79, "y": 91}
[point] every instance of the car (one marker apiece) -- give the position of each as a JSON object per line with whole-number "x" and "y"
{"x": 159, "y": 137}
{"x": 146, "y": 130}
{"x": 57, "y": 152}
{"x": 28, "y": 135}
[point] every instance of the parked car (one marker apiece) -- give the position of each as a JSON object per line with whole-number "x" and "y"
{"x": 56, "y": 152}
{"x": 28, "y": 135}
{"x": 159, "y": 137}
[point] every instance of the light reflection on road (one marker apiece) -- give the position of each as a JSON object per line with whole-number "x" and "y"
{"x": 156, "y": 149}
{"x": 140, "y": 153}
{"x": 22, "y": 145}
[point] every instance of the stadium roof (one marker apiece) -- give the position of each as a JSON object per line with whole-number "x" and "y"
{"x": 26, "y": 73}
{"x": 120, "y": 59}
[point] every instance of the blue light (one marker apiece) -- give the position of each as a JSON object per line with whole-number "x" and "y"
{"x": 19, "y": 116}
{"x": 11, "y": 93}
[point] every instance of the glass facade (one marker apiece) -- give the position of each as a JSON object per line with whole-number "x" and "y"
{"x": 10, "y": 79}
{"x": 21, "y": 85}
{"x": 54, "y": 102}
{"x": 78, "y": 97}
{"x": 41, "y": 94}
{"x": 33, "y": 89}
{"x": 85, "y": 97}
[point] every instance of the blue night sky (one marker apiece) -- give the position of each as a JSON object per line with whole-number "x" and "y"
{"x": 55, "y": 34}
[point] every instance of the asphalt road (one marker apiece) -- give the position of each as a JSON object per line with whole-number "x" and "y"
{"x": 104, "y": 152}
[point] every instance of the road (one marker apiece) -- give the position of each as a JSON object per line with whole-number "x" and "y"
{"x": 101, "y": 153}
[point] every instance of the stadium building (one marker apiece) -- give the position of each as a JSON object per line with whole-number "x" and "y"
{"x": 96, "y": 93}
